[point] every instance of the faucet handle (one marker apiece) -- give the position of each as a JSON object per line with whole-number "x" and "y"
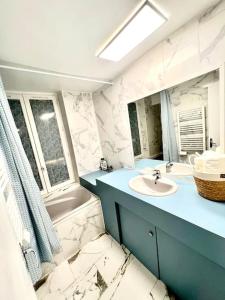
{"x": 156, "y": 172}
{"x": 157, "y": 175}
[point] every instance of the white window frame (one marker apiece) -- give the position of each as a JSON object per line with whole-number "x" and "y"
{"x": 24, "y": 98}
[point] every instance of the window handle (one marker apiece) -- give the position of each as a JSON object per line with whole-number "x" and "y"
{"x": 42, "y": 168}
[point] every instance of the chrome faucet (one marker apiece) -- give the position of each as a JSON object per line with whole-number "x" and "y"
{"x": 157, "y": 175}
{"x": 169, "y": 166}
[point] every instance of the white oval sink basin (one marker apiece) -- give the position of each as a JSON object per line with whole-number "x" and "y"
{"x": 177, "y": 169}
{"x": 145, "y": 184}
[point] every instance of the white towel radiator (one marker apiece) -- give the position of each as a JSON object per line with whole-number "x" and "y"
{"x": 191, "y": 130}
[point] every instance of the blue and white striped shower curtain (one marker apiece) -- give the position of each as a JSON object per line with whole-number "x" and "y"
{"x": 170, "y": 149}
{"x": 36, "y": 220}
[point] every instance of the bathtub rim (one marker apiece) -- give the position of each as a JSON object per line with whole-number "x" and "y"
{"x": 66, "y": 216}
{"x": 51, "y": 196}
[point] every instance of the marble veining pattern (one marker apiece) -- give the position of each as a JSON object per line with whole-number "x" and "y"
{"x": 83, "y": 129}
{"x": 75, "y": 231}
{"x": 194, "y": 49}
{"x": 78, "y": 229}
{"x": 103, "y": 270}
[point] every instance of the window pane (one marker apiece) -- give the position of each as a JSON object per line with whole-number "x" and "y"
{"x": 48, "y": 132}
{"x": 132, "y": 110}
{"x": 18, "y": 116}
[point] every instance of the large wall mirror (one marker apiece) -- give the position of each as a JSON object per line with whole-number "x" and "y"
{"x": 178, "y": 122}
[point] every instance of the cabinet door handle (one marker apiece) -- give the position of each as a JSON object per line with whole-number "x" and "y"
{"x": 150, "y": 233}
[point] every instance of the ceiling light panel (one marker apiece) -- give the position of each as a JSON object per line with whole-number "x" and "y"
{"x": 145, "y": 21}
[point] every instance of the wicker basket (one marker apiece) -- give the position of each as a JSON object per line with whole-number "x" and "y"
{"x": 211, "y": 189}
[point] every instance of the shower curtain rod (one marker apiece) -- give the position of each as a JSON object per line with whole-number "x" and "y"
{"x": 56, "y": 74}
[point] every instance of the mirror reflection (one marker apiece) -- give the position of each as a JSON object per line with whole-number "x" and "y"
{"x": 178, "y": 123}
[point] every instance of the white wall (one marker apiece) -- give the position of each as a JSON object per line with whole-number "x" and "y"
{"x": 83, "y": 129}
{"x": 15, "y": 282}
{"x": 214, "y": 112}
{"x": 194, "y": 49}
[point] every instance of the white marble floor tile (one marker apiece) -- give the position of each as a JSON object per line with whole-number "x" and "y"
{"x": 57, "y": 282}
{"x": 112, "y": 262}
{"x": 55, "y": 296}
{"x": 90, "y": 254}
{"x": 102, "y": 270}
{"x": 159, "y": 291}
{"x": 89, "y": 288}
{"x": 133, "y": 282}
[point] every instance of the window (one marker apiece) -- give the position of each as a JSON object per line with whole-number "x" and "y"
{"x": 39, "y": 124}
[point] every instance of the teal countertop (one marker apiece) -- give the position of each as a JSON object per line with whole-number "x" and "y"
{"x": 91, "y": 177}
{"x": 186, "y": 203}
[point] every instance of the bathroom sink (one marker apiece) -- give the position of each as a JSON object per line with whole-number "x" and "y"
{"x": 177, "y": 169}
{"x": 145, "y": 184}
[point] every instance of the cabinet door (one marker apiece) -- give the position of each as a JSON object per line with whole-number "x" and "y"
{"x": 188, "y": 274}
{"x": 139, "y": 236}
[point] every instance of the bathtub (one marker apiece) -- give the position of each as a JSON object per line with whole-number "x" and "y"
{"x": 67, "y": 202}
{"x": 77, "y": 218}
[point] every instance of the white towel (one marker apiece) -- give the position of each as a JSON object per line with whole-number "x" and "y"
{"x": 210, "y": 162}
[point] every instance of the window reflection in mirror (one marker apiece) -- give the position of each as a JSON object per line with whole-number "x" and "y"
{"x": 194, "y": 109}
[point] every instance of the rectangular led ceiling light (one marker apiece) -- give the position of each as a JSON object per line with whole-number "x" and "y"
{"x": 138, "y": 27}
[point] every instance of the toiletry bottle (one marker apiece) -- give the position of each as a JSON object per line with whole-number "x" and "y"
{"x": 103, "y": 165}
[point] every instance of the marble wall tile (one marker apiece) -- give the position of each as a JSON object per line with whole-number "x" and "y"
{"x": 212, "y": 35}
{"x": 194, "y": 49}
{"x": 78, "y": 229}
{"x": 104, "y": 117}
{"x": 180, "y": 55}
{"x": 145, "y": 75}
{"x": 83, "y": 128}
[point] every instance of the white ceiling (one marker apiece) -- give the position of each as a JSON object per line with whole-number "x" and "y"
{"x": 63, "y": 36}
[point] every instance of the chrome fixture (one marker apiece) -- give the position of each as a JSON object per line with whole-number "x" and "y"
{"x": 157, "y": 175}
{"x": 169, "y": 167}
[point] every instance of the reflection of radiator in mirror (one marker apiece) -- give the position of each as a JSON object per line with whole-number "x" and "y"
{"x": 191, "y": 130}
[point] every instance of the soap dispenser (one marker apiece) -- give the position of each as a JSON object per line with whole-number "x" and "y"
{"x": 103, "y": 165}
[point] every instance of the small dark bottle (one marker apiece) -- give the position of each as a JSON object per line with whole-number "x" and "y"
{"x": 103, "y": 165}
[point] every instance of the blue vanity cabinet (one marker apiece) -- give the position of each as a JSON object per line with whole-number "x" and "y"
{"x": 188, "y": 274}
{"x": 139, "y": 236}
{"x": 189, "y": 259}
